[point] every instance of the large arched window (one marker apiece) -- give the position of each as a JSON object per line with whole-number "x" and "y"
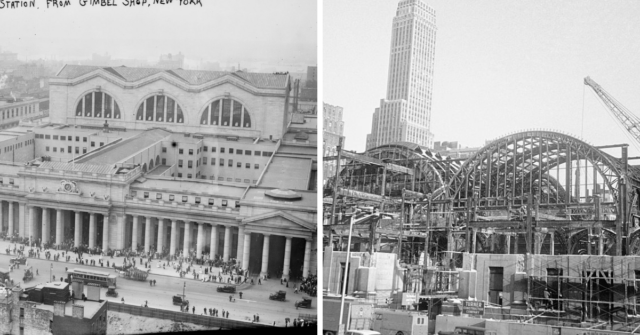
{"x": 98, "y": 104}
{"x": 160, "y": 108}
{"x": 226, "y": 113}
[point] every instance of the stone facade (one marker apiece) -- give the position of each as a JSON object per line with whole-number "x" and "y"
{"x": 167, "y": 187}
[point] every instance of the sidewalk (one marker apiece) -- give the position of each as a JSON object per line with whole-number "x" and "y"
{"x": 119, "y": 261}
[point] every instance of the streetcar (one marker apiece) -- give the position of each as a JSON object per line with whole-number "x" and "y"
{"x": 104, "y": 279}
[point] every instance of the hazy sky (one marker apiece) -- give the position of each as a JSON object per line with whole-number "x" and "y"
{"x": 282, "y": 31}
{"x": 500, "y": 66}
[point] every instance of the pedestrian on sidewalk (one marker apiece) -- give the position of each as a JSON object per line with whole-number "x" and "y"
{"x": 240, "y": 293}
{"x": 194, "y": 309}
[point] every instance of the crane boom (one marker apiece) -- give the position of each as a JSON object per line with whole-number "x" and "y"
{"x": 630, "y": 122}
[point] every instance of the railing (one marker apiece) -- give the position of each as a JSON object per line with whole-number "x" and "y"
{"x": 85, "y": 175}
{"x": 203, "y": 320}
{"x": 181, "y": 205}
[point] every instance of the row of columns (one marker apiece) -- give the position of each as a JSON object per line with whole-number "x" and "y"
{"x": 10, "y": 217}
{"x": 242, "y": 251}
{"x": 59, "y": 234}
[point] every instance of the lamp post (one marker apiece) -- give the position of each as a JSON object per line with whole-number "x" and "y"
{"x": 50, "y": 272}
{"x": 346, "y": 274}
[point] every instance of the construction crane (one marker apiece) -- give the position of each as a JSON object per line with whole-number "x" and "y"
{"x": 626, "y": 118}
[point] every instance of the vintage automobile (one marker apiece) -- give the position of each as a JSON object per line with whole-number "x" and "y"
{"x": 28, "y": 275}
{"x": 280, "y": 296}
{"x": 304, "y": 303}
{"x": 226, "y": 289}
{"x": 180, "y": 299}
{"x": 19, "y": 260}
{"x": 111, "y": 291}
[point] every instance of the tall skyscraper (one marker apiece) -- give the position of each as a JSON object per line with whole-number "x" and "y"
{"x": 405, "y": 114}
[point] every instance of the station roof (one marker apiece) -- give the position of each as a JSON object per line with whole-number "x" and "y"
{"x": 288, "y": 173}
{"x": 191, "y": 77}
{"x": 124, "y": 149}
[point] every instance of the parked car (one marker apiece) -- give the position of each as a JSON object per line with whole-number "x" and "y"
{"x": 226, "y": 289}
{"x": 111, "y": 291}
{"x": 180, "y": 299}
{"x": 304, "y": 303}
{"x": 280, "y": 296}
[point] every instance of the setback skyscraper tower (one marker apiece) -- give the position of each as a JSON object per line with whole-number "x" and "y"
{"x": 405, "y": 114}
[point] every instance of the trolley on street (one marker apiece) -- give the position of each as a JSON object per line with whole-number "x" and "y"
{"x": 105, "y": 279}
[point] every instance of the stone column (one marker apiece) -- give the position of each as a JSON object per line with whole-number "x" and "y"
{"x": 227, "y": 243}
{"x": 552, "y": 242}
{"x": 1, "y": 216}
{"x": 59, "y": 226}
{"x": 187, "y": 238}
{"x": 21, "y": 216}
{"x": 508, "y": 243}
{"x": 174, "y": 237}
{"x": 121, "y": 231}
{"x": 200, "y": 240}
{"x": 287, "y": 258}
{"x": 10, "y": 218}
{"x": 105, "y": 232}
{"x": 147, "y": 234}
{"x": 160, "y": 234}
{"x": 265, "y": 255}
{"x": 214, "y": 241}
{"x": 46, "y": 230}
{"x": 92, "y": 230}
{"x": 307, "y": 258}
{"x": 32, "y": 224}
{"x": 240, "y": 249}
{"x": 78, "y": 233}
{"x": 134, "y": 233}
{"x": 246, "y": 252}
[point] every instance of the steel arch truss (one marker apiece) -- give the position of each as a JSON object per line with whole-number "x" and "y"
{"x": 555, "y": 167}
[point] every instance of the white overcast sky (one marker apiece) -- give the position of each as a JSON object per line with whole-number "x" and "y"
{"x": 280, "y": 31}
{"x": 500, "y": 66}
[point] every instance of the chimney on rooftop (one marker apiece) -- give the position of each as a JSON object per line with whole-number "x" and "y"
{"x": 78, "y": 311}
{"x": 58, "y": 308}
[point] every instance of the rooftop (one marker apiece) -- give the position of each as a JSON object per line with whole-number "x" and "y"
{"x": 122, "y": 150}
{"x": 309, "y": 198}
{"x": 198, "y": 186}
{"x": 191, "y": 77}
{"x": 288, "y": 173}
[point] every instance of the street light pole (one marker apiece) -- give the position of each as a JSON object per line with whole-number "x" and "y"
{"x": 50, "y": 269}
{"x": 346, "y": 273}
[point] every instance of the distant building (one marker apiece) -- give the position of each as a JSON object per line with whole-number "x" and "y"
{"x": 31, "y": 70}
{"x": 169, "y": 61}
{"x": 307, "y": 101}
{"x": 405, "y": 114}
{"x": 333, "y": 129}
{"x": 453, "y": 149}
{"x": 32, "y": 311}
{"x": 11, "y": 112}
{"x": 312, "y": 77}
{"x": 6, "y": 56}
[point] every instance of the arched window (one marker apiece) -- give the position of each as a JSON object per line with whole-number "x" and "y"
{"x": 226, "y": 113}
{"x": 98, "y": 104}
{"x": 160, "y": 108}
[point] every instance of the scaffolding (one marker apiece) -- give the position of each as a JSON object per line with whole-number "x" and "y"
{"x": 595, "y": 292}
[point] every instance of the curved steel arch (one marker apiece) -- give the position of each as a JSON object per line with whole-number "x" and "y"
{"x": 431, "y": 170}
{"x": 508, "y": 162}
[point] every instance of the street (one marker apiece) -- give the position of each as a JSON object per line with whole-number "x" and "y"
{"x": 200, "y": 295}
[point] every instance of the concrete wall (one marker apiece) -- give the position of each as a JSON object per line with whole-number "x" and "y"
{"x": 510, "y": 264}
{"x": 267, "y": 111}
{"x": 384, "y": 279}
{"x": 19, "y": 149}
